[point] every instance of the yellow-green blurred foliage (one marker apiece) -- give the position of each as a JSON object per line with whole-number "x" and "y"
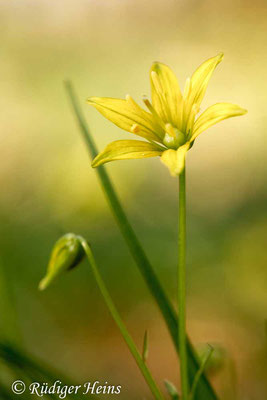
{"x": 106, "y": 48}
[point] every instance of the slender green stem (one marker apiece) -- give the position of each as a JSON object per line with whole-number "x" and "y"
{"x": 116, "y": 316}
{"x": 182, "y": 286}
{"x": 204, "y": 390}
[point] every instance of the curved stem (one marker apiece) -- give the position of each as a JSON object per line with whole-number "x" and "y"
{"x": 115, "y": 314}
{"x": 182, "y": 285}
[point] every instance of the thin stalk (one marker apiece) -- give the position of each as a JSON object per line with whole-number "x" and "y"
{"x": 204, "y": 390}
{"x": 182, "y": 286}
{"x": 116, "y": 316}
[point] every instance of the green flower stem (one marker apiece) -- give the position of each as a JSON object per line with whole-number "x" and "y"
{"x": 182, "y": 286}
{"x": 204, "y": 389}
{"x": 115, "y": 315}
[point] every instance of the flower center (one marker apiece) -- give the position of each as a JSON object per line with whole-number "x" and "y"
{"x": 173, "y": 138}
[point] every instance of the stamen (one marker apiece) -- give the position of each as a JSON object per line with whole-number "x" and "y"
{"x": 149, "y": 105}
{"x": 153, "y": 112}
{"x": 135, "y": 128}
{"x": 130, "y": 101}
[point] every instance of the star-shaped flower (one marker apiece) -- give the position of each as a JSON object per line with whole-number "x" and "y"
{"x": 171, "y": 124}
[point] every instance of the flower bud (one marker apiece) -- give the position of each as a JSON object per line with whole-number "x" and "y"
{"x": 171, "y": 389}
{"x": 66, "y": 254}
{"x": 217, "y": 358}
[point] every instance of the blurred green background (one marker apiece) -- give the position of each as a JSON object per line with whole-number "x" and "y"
{"x": 48, "y": 187}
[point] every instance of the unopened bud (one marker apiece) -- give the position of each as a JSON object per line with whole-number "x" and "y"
{"x": 66, "y": 254}
{"x": 171, "y": 389}
{"x": 217, "y": 358}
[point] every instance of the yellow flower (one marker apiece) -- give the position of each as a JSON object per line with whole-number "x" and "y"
{"x": 171, "y": 124}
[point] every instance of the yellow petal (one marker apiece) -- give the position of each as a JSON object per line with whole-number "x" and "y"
{"x": 166, "y": 94}
{"x": 215, "y": 114}
{"x": 198, "y": 84}
{"x": 127, "y": 115}
{"x": 175, "y": 159}
{"x": 126, "y": 150}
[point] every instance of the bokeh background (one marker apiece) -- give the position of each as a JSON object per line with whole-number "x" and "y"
{"x": 48, "y": 187}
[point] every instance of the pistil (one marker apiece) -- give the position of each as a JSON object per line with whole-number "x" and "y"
{"x": 173, "y": 138}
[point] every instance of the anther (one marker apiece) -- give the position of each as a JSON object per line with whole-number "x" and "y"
{"x": 135, "y": 128}
{"x": 128, "y": 97}
{"x": 148, "y": 104}
{"x": 153, "y": 112}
